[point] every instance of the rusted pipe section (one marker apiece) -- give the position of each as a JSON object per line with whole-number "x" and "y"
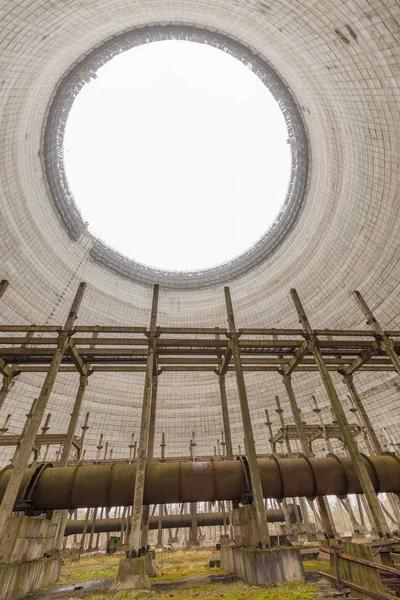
{"x": 112, "y": 484}
{"x": 75, "y": 527}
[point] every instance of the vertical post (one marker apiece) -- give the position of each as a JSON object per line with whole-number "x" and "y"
{"x": 322, "y": 502}
{"x": 84, "y": 428}
{"x": 150, "y": 453}
{"x": 163, "y": 444}
{"x": 3, "y": 286}
{"x": 137, "y": 510}
{"x": 84, "y": 532}
{"x": 26, "y": 445}
{"x": 9, "y": 378}
{"x": 83, "y": 380}
{"x": 159, "y": 528}
{"x": 359, "y": 466}
{"x": 385, "y": 343}
{"x": 225, "y": 411}
{"x": 193, "y": 541}
{"x": 289, "y": 450}
{"x": 28, "y": 420}
{"x": 8, "y": 381}
{"x": 348, "y": 380}
{"x": 4, "y": 428}
{"x": 247, "y": 427}
{"x": 343, "y": 502}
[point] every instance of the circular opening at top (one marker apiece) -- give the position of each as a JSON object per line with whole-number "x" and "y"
{"x": 177, "y": 155}
{"x": 160, "y": 157}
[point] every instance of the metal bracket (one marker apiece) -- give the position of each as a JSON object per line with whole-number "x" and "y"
{"x": 26, "y": 504}
{"x": 247, "y": 496}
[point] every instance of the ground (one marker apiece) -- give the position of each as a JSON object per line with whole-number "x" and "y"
{"x": 183, "y": 575}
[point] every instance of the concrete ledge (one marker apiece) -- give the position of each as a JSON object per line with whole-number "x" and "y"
{"x": 19, "y": 579}
{"x": 263, "y": 567}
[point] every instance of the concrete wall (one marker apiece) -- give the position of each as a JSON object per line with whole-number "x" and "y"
{"x": 263, "y": 567}
{"x": 17, "y": 580}
{"x": 26, "y": 539}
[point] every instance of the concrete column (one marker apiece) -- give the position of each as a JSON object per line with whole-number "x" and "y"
{"x": 83, "y": 381}
{"x": 159, "y": 529}
{"x": 359, "y": 465}
{"x": 8, "y": 380}
{"x": 85, "y": 527}
{"x": 363, "y": 414}
{"x": 247, "y": 427}
{"x": 345, "y": 503}
{"x": 385, "y": 343}
{"x": 289, "y": 450}
{"x": 84, "y": 428}
{"x": 193, "y": 541}
{"x": 28, "y": 440}
{"x": 137, "y": 510}
{"x": 323, "y": 505}
{"x": 150, "y": 453}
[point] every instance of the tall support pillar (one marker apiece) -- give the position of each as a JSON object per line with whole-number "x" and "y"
{"x": 84, "y": 428}
{"x": 137, "y": 509}
{"x": 345, "y": 503}
{"x": 289, "y": 450}
{"x": 159, "y": 528}
{"x": 224, "y": 409}
{"x": 27, "y": 443}
{"x": 193, "y": 540}
{"x": 83, "y": 381}
{"x": 371, "y": 439}
{"x": 323, "y": 505}
{"x": 247, "y": 427}
{"x": 60, "y": 517}
{"x": 150, "y": 453}
{"x": 84, "y": 532}
{"x": 359, "y": 465}
{"x": 7, "y": 383}
{"x": 385, "y": 343}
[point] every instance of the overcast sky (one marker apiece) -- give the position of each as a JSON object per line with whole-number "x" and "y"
{"x": 177, "y": 156}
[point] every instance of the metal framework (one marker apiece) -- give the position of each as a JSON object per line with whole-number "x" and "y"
{"x": 88, "y": 349}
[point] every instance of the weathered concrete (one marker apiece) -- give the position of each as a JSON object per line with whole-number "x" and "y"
{"x": 19, "y": 579}
{"x": 263, "y": 566}
{"x": 245, "y": 526}
{"x": 132, "y": 574}
{"x": 26, "y": 539}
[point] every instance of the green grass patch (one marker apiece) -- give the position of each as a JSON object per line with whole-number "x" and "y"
{"x": 316, "y": 565}
{"x": 233, "y": 591}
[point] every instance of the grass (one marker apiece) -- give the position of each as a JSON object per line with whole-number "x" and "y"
{"x": 97, "y": 566}
{"x": 180, "y": 564}
{"x": 169, "y": 565}
{"x": 316, "y": 565}
{"x": 234, "y": 591}
{"x": 184, "y": 563}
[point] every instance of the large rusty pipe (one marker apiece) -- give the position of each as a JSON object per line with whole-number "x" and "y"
{"x": 113, "y": 484}
{"x": 179, "y": 521}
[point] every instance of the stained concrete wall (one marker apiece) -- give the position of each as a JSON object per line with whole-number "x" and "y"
{"x": 26, "y": 539}
{"x": 263, "y": 567}
{"x": 17, "y": 580}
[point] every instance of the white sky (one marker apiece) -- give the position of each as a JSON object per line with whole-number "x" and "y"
{"x": 177, "y": 156}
